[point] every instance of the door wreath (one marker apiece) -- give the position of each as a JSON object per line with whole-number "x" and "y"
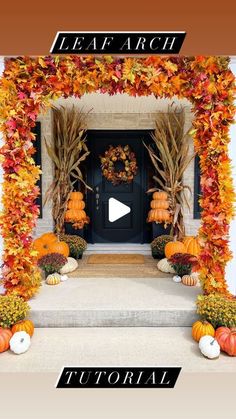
{"x": 119, "y": 154}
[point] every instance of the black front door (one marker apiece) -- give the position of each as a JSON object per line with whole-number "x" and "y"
{"x": 132, "y": 227}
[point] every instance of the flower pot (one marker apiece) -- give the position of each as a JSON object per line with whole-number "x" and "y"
{"x": 69, "y": 229}
{"x": 77, "y": 254}
{"x": 156, "y": 254}
{"x": 159, "y": 230}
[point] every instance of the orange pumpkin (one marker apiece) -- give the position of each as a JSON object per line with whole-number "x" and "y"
{"x": 60, "y": 247}
{"x": 226, "y": 338}
{"x": 24, "y": 326}
{"x": 5, "y": 336}
{"x": 75, "y": 204}
{"x": 43, "y": 243}
{"x": 76, "y": 196}
{"x": 202, "y": 328}
{"x": 174, "y": 247}
{"x": 189, "y": 280}
{"x": 75, "y": 215}
{"x": 192, "y": 246}
{"x": 163, "y": 196}
{"x": 156, "y": 204}
{"x": 159, "y": 215}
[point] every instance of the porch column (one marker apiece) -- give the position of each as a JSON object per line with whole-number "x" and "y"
{"x": 231, "y": 267}
{"x": 2, "y": 65}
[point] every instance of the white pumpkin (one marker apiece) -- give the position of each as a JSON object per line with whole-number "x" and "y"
{"x": 53, "y": 279}
{"x": 177, "y": 278}
{"x": 20, "y": 342}
{"x": 64, "y": 278}
{"x": 209, "y": 347}
{"x": 164, "y": 266}
{"x": 70, "y": 266}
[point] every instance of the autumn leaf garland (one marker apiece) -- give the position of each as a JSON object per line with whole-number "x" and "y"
{"x": 29, "y": 84}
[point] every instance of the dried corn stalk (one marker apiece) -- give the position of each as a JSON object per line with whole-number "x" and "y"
{"x": 170, "y": 157}
{"x": 67, "y": 150}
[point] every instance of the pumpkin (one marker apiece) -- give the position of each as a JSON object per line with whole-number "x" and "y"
{"x": 189, "y": 280}
{"x": 75, "y": 215}
{"x": 60, "y": 247}
{"x": 53, "y": 279}
{"x": 79, "y": 205}
{"x": 209, "y": 347}
{"x": 76, "y": 196}
{"x": 177, "y": 278}
{"x": 43, "y": 243}
{"x": 226, "y": 338}
{"x": 24, "y": 325}
{"x": 70, "y": 266}
{"x": 162, "y": 196}
{"x": 202, "y": 328}
{"x": 20, "y": 342}
{"x": 164, "y": 266}
{"x": 5, "y": 336}
{"x": 192, "y": 246}
{"x": 156, "y": 204}
{"x": 159, "y": 215}
{"x": 174, "y": 247}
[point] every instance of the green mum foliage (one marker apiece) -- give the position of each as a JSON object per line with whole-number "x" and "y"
{"x": 12, "y": 310}
{"x": 159, "y": 243}
{"x": 217, "y": 309}
{"x": 76, "y": 243}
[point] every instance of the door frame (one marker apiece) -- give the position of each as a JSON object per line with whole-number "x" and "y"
{"x": 145, "y": 200}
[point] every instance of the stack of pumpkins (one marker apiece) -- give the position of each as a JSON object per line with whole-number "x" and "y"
{"x": 75, "y": 210}
{"x": 159, "y": 212}
{"x": 189, "y": 245}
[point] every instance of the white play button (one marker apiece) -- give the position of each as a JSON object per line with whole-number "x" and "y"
{"x": 116, "y": 209}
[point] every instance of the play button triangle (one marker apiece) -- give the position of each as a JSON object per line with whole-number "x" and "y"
{"x": 116, "y": 209}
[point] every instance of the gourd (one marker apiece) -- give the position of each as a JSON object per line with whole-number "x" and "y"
{"x": 226, "y": 338}
{"x": 70, "y": 266}
{"x": 189, "y": 280}
{"x": 174, "y": 247}
{"x": 209, "y": 347}
{"x": 20, "y": 342}
{"x": 24, "y": 325}
{"x": 202, "y": 328}
{"x": 5, "y": 336}
{"x": 192, "y": 246}
{"x": 164, "y": 266}
{"x": 53, "y": 279}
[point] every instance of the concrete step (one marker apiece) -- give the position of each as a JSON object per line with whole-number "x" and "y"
{"x": 51, "y": 349}
{"x": 122, "y": 248}
{"x": 115, "y": 302}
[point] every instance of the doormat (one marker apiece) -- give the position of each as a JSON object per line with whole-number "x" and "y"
{"x": 113, "y": 259}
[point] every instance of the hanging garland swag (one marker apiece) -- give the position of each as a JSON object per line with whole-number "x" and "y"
{"x": 119, "y": 154}
{"x": 29, "y": 84}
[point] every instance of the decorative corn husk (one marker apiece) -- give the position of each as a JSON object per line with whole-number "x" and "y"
{"x": 170, "y": 157}
{"x": 67, "y": 151}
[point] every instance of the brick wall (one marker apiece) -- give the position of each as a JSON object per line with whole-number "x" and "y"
{"x": 111, "y": 121}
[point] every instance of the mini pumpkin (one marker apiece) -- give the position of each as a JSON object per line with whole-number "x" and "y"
{"x": 75, "y": 215}
{"x": 159, "y": 215}
{"x": 209, "y": 347}
{"x": 226, "y": 338}
{"x": 164, "y": 266}
{"x": 177, "y": 278}
{"x": 174, "y": 247}
{"x": 156, "y": 204}
{"x": 189, "y": 280}
{"x": 78, "y": 205}
{"x": 53, "y": 279}
{"x": 202, "y": 328}
{"x": 163, "y": 196}
{"x": 76, "y": 196}
{"x": 20, "y": 342}
{"x": 5, "y": 336}
{"x": 70, "y": 266}
{"x": 24, "y": 325}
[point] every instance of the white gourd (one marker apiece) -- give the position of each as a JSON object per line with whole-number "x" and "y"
{"x": 164, "y": 266}
{"x": 20, "y": 342}
{"x": 53, "y": 279}
{"x": 209, "y": 347}
{"x": 70, "y": 266}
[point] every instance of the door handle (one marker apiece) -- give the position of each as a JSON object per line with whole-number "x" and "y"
{"x": 97, "y": 198}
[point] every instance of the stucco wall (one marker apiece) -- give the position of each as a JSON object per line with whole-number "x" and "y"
{"x": 111, "y": 121}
